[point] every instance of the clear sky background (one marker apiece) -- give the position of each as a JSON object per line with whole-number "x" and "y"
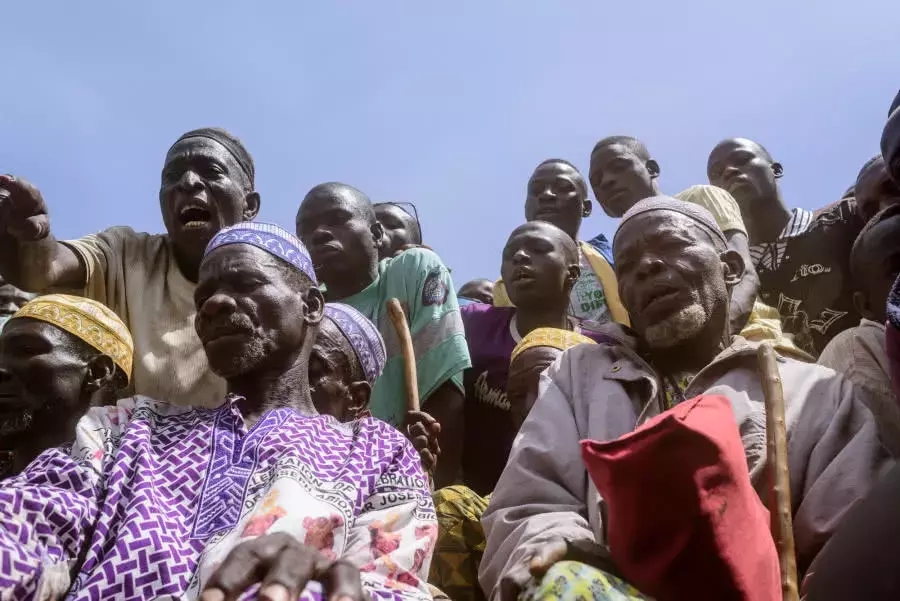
{"x": 450, "y": 105}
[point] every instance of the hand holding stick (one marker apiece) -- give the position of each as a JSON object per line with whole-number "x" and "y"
{"x": 777, "y": 460}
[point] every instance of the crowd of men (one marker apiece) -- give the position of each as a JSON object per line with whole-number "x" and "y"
{"x": 221, "y": 411}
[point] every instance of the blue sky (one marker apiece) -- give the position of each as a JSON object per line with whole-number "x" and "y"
{"x": 449, "y": 105}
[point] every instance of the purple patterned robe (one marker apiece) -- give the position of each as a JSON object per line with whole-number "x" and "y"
{"x": 151, "y": 498}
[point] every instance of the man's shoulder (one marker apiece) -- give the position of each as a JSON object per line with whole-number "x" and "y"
{"x": 478, "y": 314}
{"x": 121, "y": 240}
{"x": 411, "y": 260}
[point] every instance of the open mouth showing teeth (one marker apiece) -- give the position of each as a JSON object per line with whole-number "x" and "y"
{"x": 194, "y": 216}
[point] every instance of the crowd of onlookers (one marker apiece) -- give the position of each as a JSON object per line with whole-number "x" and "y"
{"x": 228, "y": 408}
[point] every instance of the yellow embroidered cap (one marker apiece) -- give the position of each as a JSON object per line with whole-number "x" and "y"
{"x": 552, "y": 337}
{"x": 93, "y": 322}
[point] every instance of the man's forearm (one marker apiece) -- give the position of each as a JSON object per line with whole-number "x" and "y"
{"x": 37, "y": 266}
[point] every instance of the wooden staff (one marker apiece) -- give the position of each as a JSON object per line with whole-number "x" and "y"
{"x": 410, "y": 379}
{"x": 777, "y": 460}
{"x": 409, "y": 356}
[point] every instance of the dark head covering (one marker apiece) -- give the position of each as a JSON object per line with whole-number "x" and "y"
{"x": 234, "y": 146}
{"x": 701, "y": 216}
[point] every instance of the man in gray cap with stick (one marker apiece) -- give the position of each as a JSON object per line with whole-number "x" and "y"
{"x": 207, "y": 183}
{"x": 675, "y": 273}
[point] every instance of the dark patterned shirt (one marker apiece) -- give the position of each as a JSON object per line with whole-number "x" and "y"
{"x": 805, "y": 274}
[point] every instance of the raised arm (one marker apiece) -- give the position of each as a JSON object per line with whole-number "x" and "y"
{"x": 30, "y": 256}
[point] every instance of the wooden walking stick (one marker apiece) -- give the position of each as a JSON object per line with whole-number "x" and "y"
{"x": 777, "y": 460}
{"x": 410, "y": 379}
{"x": 409, "y": 357}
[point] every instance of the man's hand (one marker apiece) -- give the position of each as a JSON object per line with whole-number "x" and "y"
{"x": 423, "y": 431}
{"x": 283, "y": 566}
{"x": 536, "y": 565}
{"x": 23, "y": 213}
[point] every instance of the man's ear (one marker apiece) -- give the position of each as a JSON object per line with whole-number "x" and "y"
{"x": 315, "y": 305}
{"x": 734, "y": 266}
{"x": 378, "y": 234}
{"x": 652, "y": 168}
{"x": 586, "y": 207}
{"x": 777, "y": 169}
{"x": 360, "y": 393}
{"x": 251, "y": 206}
{"x": 573, "y": 272}
{"x": 101, "y": 370}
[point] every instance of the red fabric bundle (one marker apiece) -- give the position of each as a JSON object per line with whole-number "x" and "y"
{"x": 683, "y": 521}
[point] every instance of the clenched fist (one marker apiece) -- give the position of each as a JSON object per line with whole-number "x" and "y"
{"x": 23, "y": 213}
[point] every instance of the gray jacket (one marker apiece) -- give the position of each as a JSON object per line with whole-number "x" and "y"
{"x": 603, "y": 391}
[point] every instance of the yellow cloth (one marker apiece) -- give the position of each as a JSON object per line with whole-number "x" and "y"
{"x": 89, "y": 320}
{"x": 136, "y": 275}
{"x": 717, "y": 201}
{"x": 764, "y": 323}
{"x": 552, "y": 337}
{"x": 604, "y": 273}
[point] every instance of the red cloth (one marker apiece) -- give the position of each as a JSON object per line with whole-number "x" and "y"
{"x": 683, "y": 521}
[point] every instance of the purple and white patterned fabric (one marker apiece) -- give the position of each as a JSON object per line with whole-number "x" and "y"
{"x": 363, "y": 336}
{"x": 269, "y": 237}
{"x": 154, "y": 496}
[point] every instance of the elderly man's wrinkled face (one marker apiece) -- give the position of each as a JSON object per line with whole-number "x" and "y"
{"x": 672, "y": 278}
{"x": 203, "y": 189}
{"x": 336, "y": 382}
{"x": 42, "y": 374}
{"x": 252, "y": 309}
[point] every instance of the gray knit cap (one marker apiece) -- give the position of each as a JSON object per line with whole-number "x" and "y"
{"x": 666, "y": 203}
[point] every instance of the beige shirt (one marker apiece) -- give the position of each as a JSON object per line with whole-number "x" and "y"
{"x": 603, "y": 391}
{"x": 135, "y": 274}
{"x": 859, "y": 354}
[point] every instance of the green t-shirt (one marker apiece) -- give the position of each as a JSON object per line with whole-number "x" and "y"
{"x": 422, "y": 284}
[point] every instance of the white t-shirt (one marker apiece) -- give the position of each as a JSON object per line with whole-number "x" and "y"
{"x": 135, "y": 275}
{"x": 587, "y": 301}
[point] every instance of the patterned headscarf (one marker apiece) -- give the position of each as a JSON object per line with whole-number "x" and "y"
{"x": 552, "y": 337}
{"x": 698, "y": 214}
{"x": 268, "y": 237}
{"x": 363, "y": 336}
{"x": 93, "y": 322}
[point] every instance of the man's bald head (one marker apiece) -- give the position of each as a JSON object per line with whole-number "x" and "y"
{"x": 540, "y": 266}
{"x": 337, "y": 223}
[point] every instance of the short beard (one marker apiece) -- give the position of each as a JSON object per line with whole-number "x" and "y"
{"x": 678, "y": 327}
{"x": 251, "y": 356}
